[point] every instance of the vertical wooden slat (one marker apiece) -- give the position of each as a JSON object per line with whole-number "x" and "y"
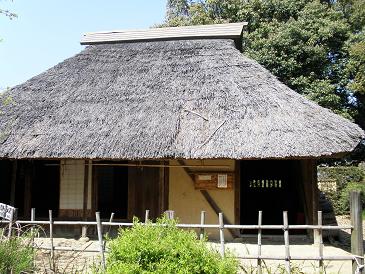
{"x": 51, "y": 239}
{"x": 357, "y": 244}
{"x": 32, "y": 218}
{"x": 146, "y": 216}
{"x": 259, "y": 236}
{"x": 11, "y": 221}
{"x": 221, "y": 233}
{"x": 170, "y": 214}
{"x": 320, "y": 245}
{"x": 100, "y": 238}
{"x": 202, "y": 222}
{"x": 286, "y": 241}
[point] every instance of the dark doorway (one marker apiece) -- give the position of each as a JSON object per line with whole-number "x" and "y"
{"x": 6, "y": 167}
{"x": 111, "y": 182}
{"x": 45, "y": 188}
{"x": 270, "y": 186}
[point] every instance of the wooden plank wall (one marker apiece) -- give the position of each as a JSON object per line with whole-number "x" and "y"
{"x": 146, "y": 190}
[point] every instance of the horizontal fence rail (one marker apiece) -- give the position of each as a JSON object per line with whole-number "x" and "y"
{"x": 356, "y": 234}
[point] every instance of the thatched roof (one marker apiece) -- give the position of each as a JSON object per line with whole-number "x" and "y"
{"x": 170, "y": 99}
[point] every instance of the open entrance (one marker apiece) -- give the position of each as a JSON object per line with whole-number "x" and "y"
{"x": 45, "y": 187}
{"x": 272, "y": 187}
{"x": 6, "y": 167}
{"x": 30, "y": 184}
{"x": 111, "y": 183}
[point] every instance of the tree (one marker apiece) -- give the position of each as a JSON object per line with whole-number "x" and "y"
{"x": 11, "y": 15}
{"x": 303, "y": 42}
{"x": 355, "y": 69}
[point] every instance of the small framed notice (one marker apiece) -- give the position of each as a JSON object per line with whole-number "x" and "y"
{"x": 213, "y": 181}
{"x": 222, "y": 181}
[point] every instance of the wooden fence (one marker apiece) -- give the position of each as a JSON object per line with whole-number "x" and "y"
{"x": 357, "y": 248}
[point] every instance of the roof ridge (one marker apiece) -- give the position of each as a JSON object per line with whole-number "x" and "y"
{"x": 215, "y": 31}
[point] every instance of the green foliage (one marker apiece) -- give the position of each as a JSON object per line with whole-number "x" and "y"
{"x": 343, "y": 204}
{"x": 347, "y": 178}
{"x": 307, "y": 44}
{"x": 163, "y": 248}
{"x": 16, "y": 255}
{"x": 355, "y": 71}
{"x": 342, "y": 175}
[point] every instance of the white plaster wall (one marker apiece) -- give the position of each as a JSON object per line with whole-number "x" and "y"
{"x": 188, "y": 202}
{"x": 72, "y": 184}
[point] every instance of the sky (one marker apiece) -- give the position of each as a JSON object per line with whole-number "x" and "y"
{"x": 47, "y": 32}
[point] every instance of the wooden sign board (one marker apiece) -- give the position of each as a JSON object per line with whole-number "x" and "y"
{"x": 213, "y": 181}
{"x": 7, "y": 212}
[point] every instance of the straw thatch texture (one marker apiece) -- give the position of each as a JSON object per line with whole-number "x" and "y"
{"x": 173, "y": 99}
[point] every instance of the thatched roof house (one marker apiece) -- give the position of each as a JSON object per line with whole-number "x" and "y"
{"x": 171, "y": 97}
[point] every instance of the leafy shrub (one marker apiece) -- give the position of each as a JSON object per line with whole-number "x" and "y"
{"x": 164, "y": 248}
{"x": 342, "y": 175}
{"x": 343, "y": 204}
{"x": 347, "y": 178}
{"x": 16, "y": 255}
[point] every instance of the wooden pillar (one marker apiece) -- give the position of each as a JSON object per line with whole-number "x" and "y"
{"x": 357, "y": 244}
{"x": 163, "y": 187}
{"x": 315, "y": 199}
{"x": 85, "y": 196}
{"x": 13, "y": 182}
{"x": 28, "y": 180}
{"x": 237, "y": 192}
{"x": 311, "y": 194}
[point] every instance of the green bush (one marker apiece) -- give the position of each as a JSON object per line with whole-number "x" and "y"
{"x": 16, "y": 255}
{"x": 163, "y": 248}
{"x": 342, "y": 175}
{"x": 343, "y": 205}
{"x": 347, "y": 178}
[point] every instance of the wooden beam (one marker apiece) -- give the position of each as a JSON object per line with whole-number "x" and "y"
{"x": 13, "y": 182}
{"x": 315, "y": 197}
{"x": 209, "y": 199}
{"x": 85, "y": 198}
{"x": 237, "y": 192}
{"x": 29, "y": 173}
{"x": 86, "y": 191}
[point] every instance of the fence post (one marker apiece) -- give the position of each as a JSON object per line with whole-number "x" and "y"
{"x": 259, "y": 261}
{"x": 146, "y": 216}
{"x": 357, "y": 245}
{"x": 221, "y": 233}
{"x": 51, "y": 239}
{"x": 286, "y": 240}
{"x": 170, "y": 214}
{"x": 100, "y": 238}
{"x": 202, "y": 222}
{"x": 11, "y": 223}
{"x": 320, "y": 239}
{"x": 32, "y": 218}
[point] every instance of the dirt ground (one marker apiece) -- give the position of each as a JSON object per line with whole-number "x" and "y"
{"x": 83, "y": 261}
